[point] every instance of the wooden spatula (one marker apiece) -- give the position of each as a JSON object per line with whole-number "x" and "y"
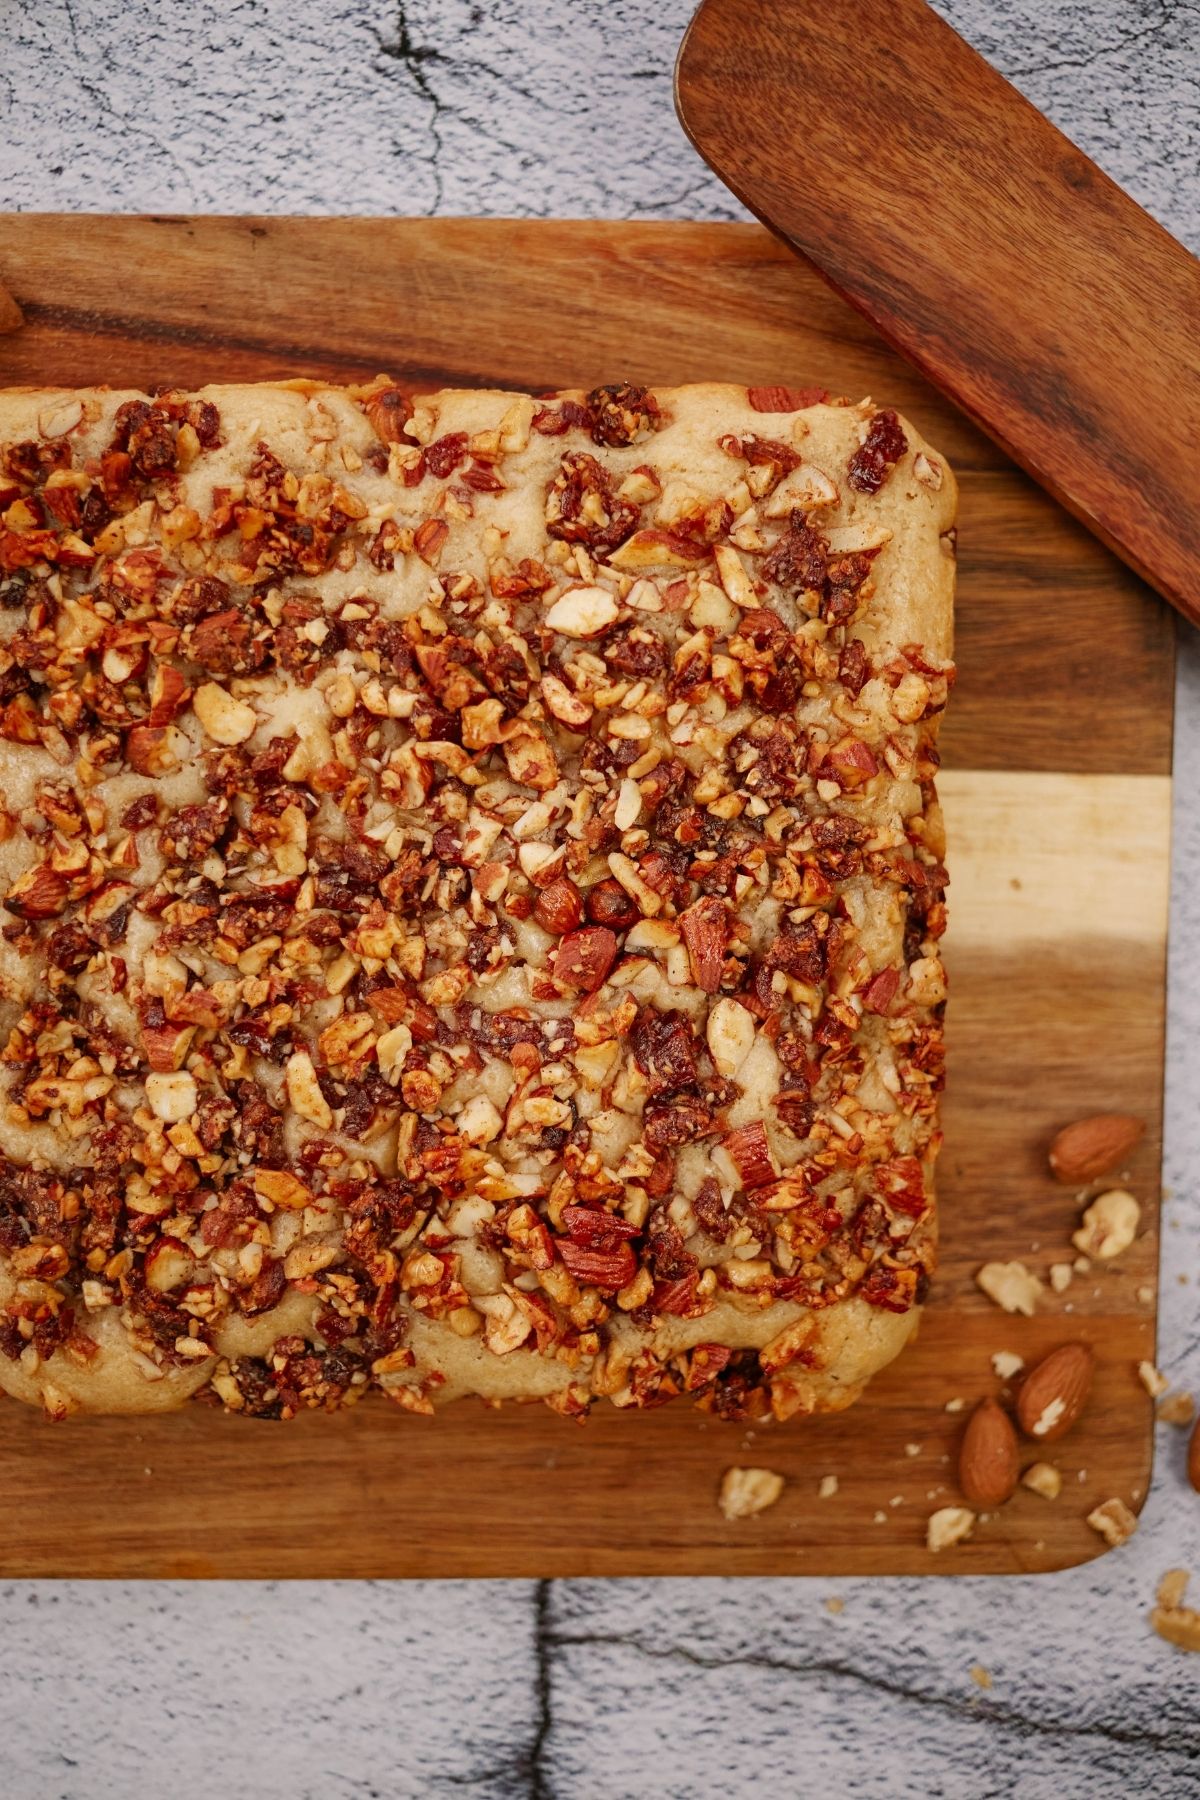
{"x": 978, "y": 241}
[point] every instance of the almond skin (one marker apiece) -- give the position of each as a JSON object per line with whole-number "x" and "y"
{"x": 1091, "y": 1147}
{"x": 1055, "y": 1392}
{"x": 1193, "y": 1459}
{"x": 988, "y": 1462}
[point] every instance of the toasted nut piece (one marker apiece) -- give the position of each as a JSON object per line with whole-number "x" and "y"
{"x": 1091, "y": 1147}
{"x": 988, "y": 1463}
{"x": 1177, "y": 1623}
{"x": 171, "y": 1097}
{"x": 1109, "y": 1226}
{"x": 1044, "y": 1479}
{"x": 949, "y": 1525}
{"x": 1011, "y": 1285}
{"x": 582, "y": 612}
{"x": 281, "y": 1189}
{"x": 225, "y": 720}
{"x": 1114, "y": 1522}
{"x": 168, "y": 1265}
{"x": 1193, "y": 1457}
{"x": 1176, "y": 1409}
{"x": 1055, "y": 1392}
{"x": 1152, "y": 1379}
{"x": 730, "y": 1034}
{"x": 304, "y": 1090}
{"x": 748, "y": 1491}
{"x": 479, "y": 1120}
{"x": 1007, "y": 1363}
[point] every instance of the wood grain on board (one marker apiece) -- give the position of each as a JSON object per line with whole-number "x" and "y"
{"x": 978, "y": 240}
{"x": 1056, "y": 791}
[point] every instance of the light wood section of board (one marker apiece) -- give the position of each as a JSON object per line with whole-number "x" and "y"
{"x": 1042, "y": 857}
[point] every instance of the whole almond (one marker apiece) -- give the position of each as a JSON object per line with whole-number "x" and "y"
{"x": 1091, "y": 1147}
{"x": 988, "y": 1460}
{"x": 1193, "y": 1460}
{"x": 1055, "y": 1392}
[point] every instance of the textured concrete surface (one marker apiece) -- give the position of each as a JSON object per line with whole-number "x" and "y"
{"x": 581, "y": 1690}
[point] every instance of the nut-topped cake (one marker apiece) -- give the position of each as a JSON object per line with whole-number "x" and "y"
{"x": 472, "y": 881}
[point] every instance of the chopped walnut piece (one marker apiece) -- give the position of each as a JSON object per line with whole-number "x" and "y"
{"x": 1113, "y": 1521}
{"x": 1011, "y": 1285}
{"x": 1109, "y": 1226}
{"x": 1170, "y": 1618}
{"x": 1044, "y": 1479}
{"x": 1176, "y": 1409}
{"x": 745, "y": 1492}
{"x": 948, "y": 1526}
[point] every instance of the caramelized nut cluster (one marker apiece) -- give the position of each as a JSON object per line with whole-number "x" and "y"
{"x": 472, "y": 887}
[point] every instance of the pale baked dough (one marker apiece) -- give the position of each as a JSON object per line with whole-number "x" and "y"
{"x": 583, "y": 1038}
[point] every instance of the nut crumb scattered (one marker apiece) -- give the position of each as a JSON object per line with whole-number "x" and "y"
{"x": 1007, "y": 1363}
{"x": 1114, "y": 1522}
{"x": 1044, "y": 1479}
{"x": 956, "y": 1405}
{"x": 1145, "y": 1293}
{"x": 1173, "y": 1587}
{"x": 1176, "y": 1409}
{"x": 913, "y": 1449}
{"x": 980, "y": 1676}
{"x": 1011, "y": 1285}
{"x": 748, "y": 1491}
{"x": 880, "y": 1518}
{"x": 948, "y": 1526}
{"x": 1152, "y": 1379}
{"x": 835, "y": 1604}
{"x": 1177, "y": 1623}
{"x": 1109, "y": 1225}
{"x": 827, "y": 1487}
{"x": 1061, "y": 1276}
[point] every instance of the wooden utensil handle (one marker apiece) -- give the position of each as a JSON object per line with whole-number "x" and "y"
{"x": 979, "y": 241}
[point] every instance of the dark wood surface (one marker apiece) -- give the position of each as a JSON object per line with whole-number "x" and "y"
{"x": 1058, "y": 755}
{"x": 979, "y": 241}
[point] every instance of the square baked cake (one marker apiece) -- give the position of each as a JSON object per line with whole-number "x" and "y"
{"x": 472, "y": 880}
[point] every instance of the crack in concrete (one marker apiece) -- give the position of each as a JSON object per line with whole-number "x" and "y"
{"x": 971, "y": 1710}
{"x": 1126, "y": 41}
{"x": 411, "y": 57}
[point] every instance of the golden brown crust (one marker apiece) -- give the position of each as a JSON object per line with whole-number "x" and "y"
{"x": 472, "y": 873}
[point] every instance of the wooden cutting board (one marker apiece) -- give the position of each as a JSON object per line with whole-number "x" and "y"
{"x": 1057, "y": 793}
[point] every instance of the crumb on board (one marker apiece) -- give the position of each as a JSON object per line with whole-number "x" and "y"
{"x": 1007, "y": 1363}
{"x": 827, "y": 1487}
{"x": 1013, "y": 1287}
{"x": 1152, "y": 1379}
{"x": 1044, "y": 1479}
{"x": 1113, "y": 1521}
{"x": 745, "y": 1492}
{"x": 949, "y": 1525}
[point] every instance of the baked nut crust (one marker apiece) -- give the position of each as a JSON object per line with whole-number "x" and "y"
{"x": 472, "y": 882}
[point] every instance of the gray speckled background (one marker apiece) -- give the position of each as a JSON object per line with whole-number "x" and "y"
{"x": 590, "y": 1690}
